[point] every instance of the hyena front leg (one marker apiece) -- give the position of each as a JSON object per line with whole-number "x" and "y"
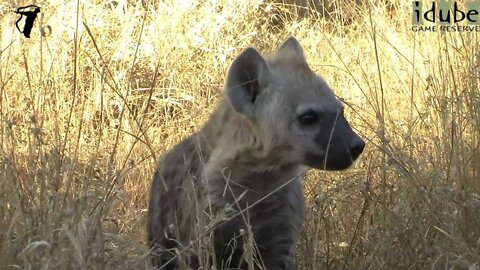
{"x": 276, "y": 244}
{"x": 278, "y": 225}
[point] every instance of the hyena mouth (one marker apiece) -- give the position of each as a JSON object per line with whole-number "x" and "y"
{"x": 337, "y": 158}
{"x": 331, "y": 162}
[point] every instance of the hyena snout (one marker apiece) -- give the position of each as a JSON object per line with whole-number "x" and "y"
{"x": 339, "y": 147}
{"x": 340, "y": 156}
{"x": 343, "y": 149}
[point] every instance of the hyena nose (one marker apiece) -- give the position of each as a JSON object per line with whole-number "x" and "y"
{"x": 356, "y": 147}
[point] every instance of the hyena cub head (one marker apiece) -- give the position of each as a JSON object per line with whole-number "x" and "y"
{"x": 299, "y": 116}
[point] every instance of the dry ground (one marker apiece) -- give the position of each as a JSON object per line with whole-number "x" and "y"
{"x": 86, "y": 109}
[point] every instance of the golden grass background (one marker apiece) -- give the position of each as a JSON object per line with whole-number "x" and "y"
{"x": 86, "y": 110}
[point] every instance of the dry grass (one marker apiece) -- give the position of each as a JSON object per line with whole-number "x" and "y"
{"x": 86, "y": 111}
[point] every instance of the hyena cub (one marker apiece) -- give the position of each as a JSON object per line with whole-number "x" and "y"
{"x": 277, "y": 119}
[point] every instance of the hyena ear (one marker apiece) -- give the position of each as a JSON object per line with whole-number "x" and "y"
{"x": 247, "y": 75}
{"x": 292, "y": 50}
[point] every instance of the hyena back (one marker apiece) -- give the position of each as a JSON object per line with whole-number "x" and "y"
{"x": 239, "y": 177}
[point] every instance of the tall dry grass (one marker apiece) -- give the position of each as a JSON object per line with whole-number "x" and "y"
{"x": 86, "y": 110}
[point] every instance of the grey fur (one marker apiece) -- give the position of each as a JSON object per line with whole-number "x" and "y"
{"x": 240, "y": 175}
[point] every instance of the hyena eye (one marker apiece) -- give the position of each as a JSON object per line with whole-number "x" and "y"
{"x": 309, "y": 117}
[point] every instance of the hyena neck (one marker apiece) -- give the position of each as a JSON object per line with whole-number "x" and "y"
{"x": 232, "y": 140}
{"x": 238, "y": 155}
